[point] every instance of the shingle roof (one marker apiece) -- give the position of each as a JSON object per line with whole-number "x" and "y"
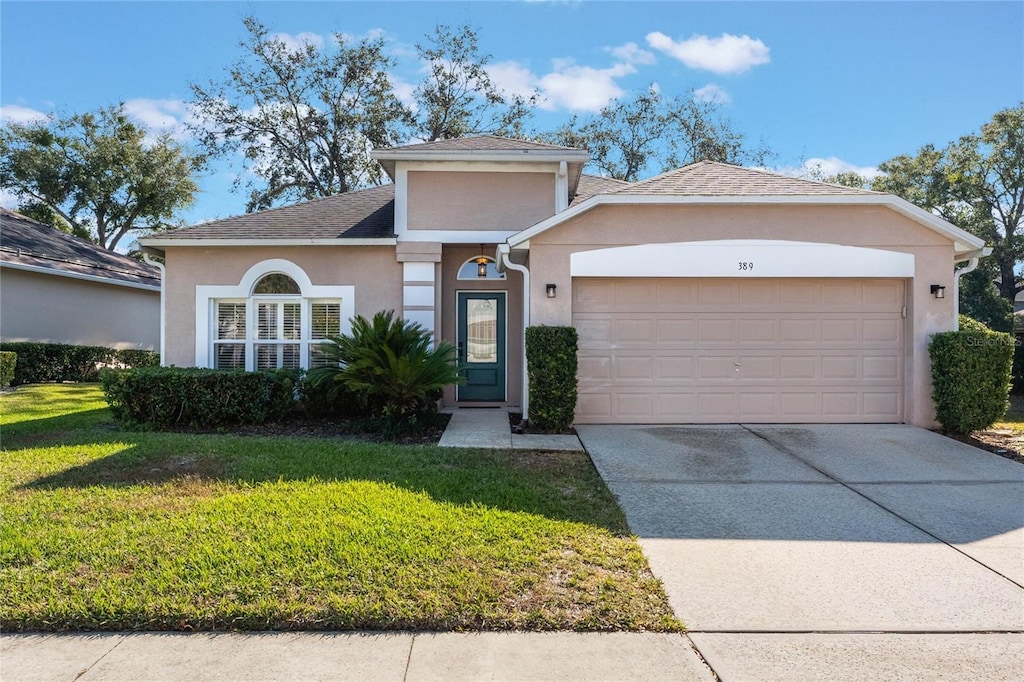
{"x": 26, "y": 242}
{"x": 710, "y": 178}
{"x": 364, "y": 214}
{"x": 594, "y": 184}
{"x": 480, "y": 143}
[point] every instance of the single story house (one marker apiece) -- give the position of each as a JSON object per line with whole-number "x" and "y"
{"x": 56, "y": 288}
{"x": 708, "y": 294}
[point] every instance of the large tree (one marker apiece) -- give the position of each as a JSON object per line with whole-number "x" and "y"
{"x": 99, "y": 172}
{"x": 457, "y": 96}
{"x": 976, "y": 183}
{"x": 649, "y": 132}
{"x": 303, "y": 116}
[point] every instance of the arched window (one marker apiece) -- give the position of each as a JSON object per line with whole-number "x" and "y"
{"x": 480, "y": 267}
{"x": 276, "y": 283}
{"x": 274, "y": 318}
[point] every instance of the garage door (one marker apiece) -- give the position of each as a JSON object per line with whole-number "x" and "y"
{"x": 739, "y": 350}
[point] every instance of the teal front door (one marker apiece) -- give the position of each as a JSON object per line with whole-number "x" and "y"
{"x": 481, "y": 344}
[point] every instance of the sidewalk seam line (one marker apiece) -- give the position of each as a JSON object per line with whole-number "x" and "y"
{"x": 106, "y": 653}
{"x": 702, "y": 657}
{"x": 786, "y": 451}
{"x": 408, "y": 658}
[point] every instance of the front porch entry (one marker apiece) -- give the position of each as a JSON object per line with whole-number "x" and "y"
{"x": 481, "y": 340}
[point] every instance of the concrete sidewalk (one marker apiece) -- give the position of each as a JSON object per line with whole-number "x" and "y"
{"x": 391, "y": 657}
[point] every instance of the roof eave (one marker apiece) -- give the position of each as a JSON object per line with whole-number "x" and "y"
{"x": 963, "y": 241}
{"x": 389, "y": 157}
{"x": 79, "y": 276}
{"x": 159, "y": 244}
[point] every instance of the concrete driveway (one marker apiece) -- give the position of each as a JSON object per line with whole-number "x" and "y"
{"x": 838, "y": 552}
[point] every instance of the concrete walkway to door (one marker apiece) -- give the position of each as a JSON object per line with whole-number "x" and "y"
{"x": 828, "y": 552}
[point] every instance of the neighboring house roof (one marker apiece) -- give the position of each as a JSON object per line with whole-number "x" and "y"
{"x": 362, "y": 214}
{"x": 27, "y": 244}
{"x": 711, "y": 178}
{"x": 480, "y": 143}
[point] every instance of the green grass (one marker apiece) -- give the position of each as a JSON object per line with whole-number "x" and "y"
{"x": 108, "y": 529}
{"x": 1014, "y": 417}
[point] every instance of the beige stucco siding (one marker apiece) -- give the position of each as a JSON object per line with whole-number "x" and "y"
{"x": 372, "y": 270}
{"x": 53, "y": 309}
{"x": 455, "y": 256}
{"x": 453, "y": 200}
{"x": 863, "y": 226}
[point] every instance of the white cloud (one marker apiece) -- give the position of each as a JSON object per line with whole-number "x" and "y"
{"x": 581, "y": 88}
{"x": 513, "y": 78}
{"x": 819, "y": 168}
{"x": 404, "y": 90}
{"x": 631, "y": 53}
{"x": 567, "y": 86}
{"x": 294, "y": 43}
{"x": 161, "y": 116}
{"x": 712, "y": 93}
{"x": 15, "y": 113}
{"x": 9, "y": 199}
{"x": 725, "y": 54}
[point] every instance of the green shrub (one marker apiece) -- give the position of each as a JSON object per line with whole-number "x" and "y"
{"x": 1017, "y": 382}
{"x": 551, "y": 366}
{"x": 167, "y": 397}
{"x": 969, "y": 324}
{"x": 391, "y": 366}
{"x": 970, "y": 378}
{"x": 7, "y": 362}
{"x": 328, "y": 399}
{"x": 51, "y": 362}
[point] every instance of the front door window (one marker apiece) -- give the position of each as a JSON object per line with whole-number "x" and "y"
{"x": 481, "y": 344}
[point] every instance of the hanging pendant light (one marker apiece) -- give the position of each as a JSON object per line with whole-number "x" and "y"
{"x": 481, "y": 264}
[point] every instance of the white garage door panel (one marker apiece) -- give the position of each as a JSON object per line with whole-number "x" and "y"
{"x": 655, "y": 351}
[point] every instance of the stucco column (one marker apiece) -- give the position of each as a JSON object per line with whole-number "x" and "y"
{"x": 420, "y": 282}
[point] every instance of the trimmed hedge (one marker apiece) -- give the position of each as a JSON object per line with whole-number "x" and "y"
{"x": 53, "y": 362}
{"x": 7, "y": 362}
{"x": 169, "y": 397}
{"x": 551, "y": 364}
{"x": 970, "y": 378}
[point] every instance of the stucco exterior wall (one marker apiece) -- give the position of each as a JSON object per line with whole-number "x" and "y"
{"x": 452, "y": 258}
{"x": 372, "y": 270}
{"x": 53, "y": 309}
{"x": 864, "y": 226}
{"x": 453, "y": 200}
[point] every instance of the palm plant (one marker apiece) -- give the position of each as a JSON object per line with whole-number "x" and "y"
{"x": 391, "y": 365}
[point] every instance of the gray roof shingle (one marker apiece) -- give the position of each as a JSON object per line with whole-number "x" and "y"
{"x": 711, "y": 178}
{"x": 591, "y": 185}
{"x": 26, "y": 242}
{"x": 480, "y": 143}
{"x": 363, "y": 214}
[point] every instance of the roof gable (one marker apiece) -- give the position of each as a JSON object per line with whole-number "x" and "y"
{"x": 30, "y": 245}
{"x": 479, "y": 143}
{"x": 362, "y": 214}
{"x": 711, "y": 178}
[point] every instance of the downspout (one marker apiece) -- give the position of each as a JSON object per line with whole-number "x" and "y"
{"x": 163, "y": 305}
{"x": 504, "y": 261}
{"x": 972, "y": 259}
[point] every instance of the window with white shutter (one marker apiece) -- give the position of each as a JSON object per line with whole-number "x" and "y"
{"x": 274, "y": 328}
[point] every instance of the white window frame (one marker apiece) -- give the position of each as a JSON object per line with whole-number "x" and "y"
{"x": 207, "y": 297}
{"x": 491, "y": 266}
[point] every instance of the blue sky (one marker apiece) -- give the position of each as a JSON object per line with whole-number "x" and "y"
{"x": 848, "y": 84}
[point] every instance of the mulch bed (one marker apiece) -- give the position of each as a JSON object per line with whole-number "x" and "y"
{"x": 1005, "y": 443}
{"x": 515, "y": 422}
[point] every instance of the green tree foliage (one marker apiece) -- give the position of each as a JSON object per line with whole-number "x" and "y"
{"x": 391, "y": 365}
{"x": 456, "y": 97}
{"x": 631, "y": 136}
{"x": 976, "y": 183}
{"x": 304, "y": 118}
{"x": 98, "y": 172}
{"x": 42, "y": 213}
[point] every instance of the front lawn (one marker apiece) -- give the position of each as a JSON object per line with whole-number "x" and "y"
{"x": 109, "y": 529}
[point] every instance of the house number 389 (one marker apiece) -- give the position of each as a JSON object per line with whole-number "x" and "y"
{"x": 745, "y": 265}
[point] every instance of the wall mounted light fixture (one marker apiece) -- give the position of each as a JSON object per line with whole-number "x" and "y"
{"x": 550, "y": 289}
{"x": 938, "y": 291}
